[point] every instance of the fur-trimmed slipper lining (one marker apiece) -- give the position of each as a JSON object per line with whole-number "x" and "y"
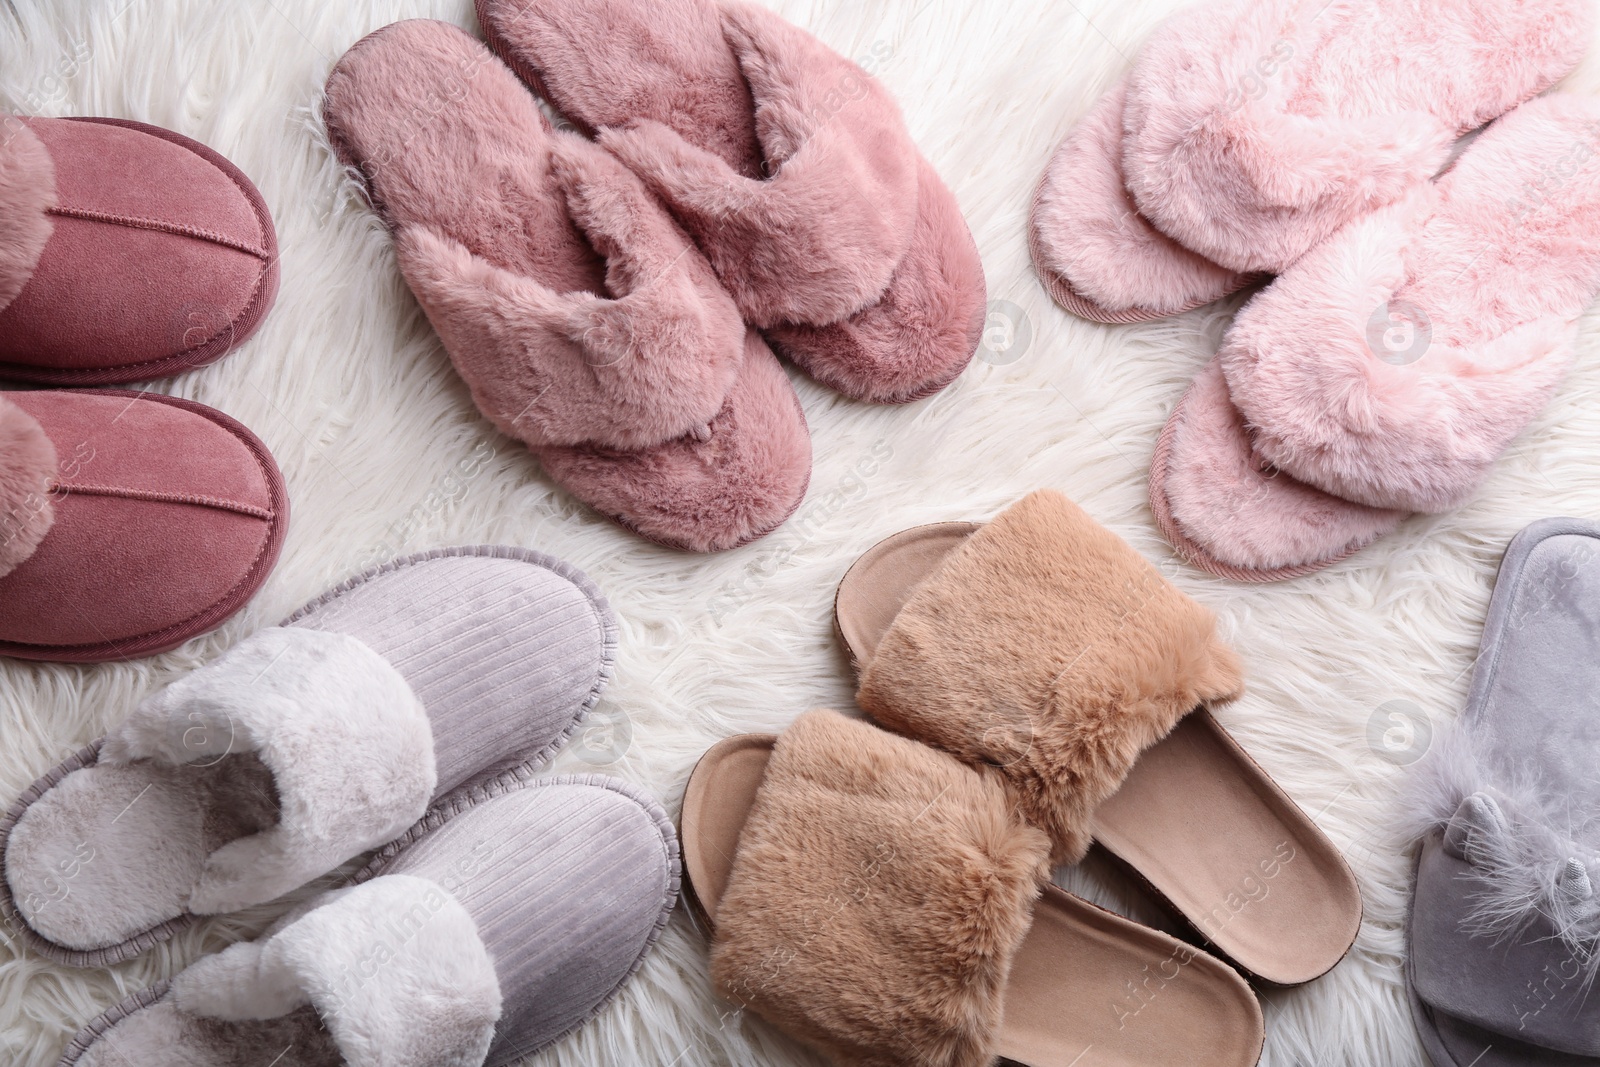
{"x": 27, "y": 193}
{"x": 27, "y": 475}
{"x": 423, "y": 958}
{"x": 1506, "y": 914}
{"x": 878, "y": 895}
{"x": 303, "y": 747}
{"x": 1386, "y": 371}
{"x": 1049, "y": 647}
{"x": 1254, "y": 130}
{"x": 790, "y": 166}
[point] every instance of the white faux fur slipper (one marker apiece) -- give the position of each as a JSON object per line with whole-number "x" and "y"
{"x": 505, "y": 919}
{"x": 1254, "y": 129}
{"x": 1386, "y": 371}
{"x": 303, "y": 747}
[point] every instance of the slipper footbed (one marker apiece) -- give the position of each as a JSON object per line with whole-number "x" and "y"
{"x": 506, "y": 649}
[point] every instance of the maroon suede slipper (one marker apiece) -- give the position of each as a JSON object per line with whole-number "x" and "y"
{"x": 129, "y": 522}
{"x": 127, "y": 252}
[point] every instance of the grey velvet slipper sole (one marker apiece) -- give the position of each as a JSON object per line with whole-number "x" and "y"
{"x": 502, "y": 921}
{"x": 1504, "y": 920}
{"x": 306, "y": 745}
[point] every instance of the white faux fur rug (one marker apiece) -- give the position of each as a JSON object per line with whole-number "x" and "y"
{"x": 384, "y": 454}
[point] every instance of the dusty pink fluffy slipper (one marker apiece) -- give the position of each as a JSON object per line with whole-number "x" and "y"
{"x": 1254, "y": 129}
{"x": 788, "y": 164}
{"x": 1387, "y": 369}
{"x": 1096, "y": 255}
{"x": 581, "y": 316}
{"x": 127, "y": 252}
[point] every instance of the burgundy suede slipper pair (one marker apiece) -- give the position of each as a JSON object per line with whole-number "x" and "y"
{"x": 129, "y": 521}
{"x": 606, "y": 300}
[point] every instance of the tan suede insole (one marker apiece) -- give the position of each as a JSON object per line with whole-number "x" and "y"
{"x": 1196, "y": 818}
{"x": 1087, "y": 988}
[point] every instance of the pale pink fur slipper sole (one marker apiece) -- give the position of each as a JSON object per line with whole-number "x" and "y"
{"x": 1096, "y": 255}
{"x": 1385, "y": 371}
{"x": 1254, "y": 129}
{"x": 583, "y": 319}
{"x": 789, "y": 165}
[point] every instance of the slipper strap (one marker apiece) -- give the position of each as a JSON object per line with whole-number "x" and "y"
{"x": 1047, "y": 646}
{"x": 395, "y": 967}
{"x": 348, "y": 744}
{"x": 878, "y": 897}
{"x": 27, "y": 193}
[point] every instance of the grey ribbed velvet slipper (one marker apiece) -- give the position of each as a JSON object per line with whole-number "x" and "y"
{"x": 503, "y": 920}
{"x": 1505, "y": 919}
{"x": 303, "y": 747}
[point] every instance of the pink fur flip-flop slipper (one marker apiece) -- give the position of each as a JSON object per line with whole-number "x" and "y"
{"x": 582, "y": 317}
{"x": 788, "y": 164}
{"x": 303, "y": 747}
{"x": 127, "y": 252}
{"x": 1248, "y": 132}
{"x": 506, "y": 918}
{"x": 1384, "y": 372}
{"x": 129, "y": 522}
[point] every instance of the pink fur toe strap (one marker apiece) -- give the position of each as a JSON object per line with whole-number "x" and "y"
{"x": 818, "y": 237}
{"x": 27, "y": 193}
{"x": 647, "y": 364}
{"x": 1047, "y": 646}
{"x": 27, "y": 473}
{"x": 878, "y": 896}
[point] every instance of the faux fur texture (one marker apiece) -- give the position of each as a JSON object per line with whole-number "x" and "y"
{"x": 27, "y": 473}
{"x": 646, "y": 358}
{"x": 1046, "y": 645}
{"x": 787, "y": 162}
{"x": 27, "y": 193}
{"x": 394, "y": 967}
{"x": 583, "y": 319}
{"x": 1485, "y": 273}
{"x": 878, "y": 895}
{"x": 817, "y": 234}
{"x": 1230, "y": 513}
{"x": 1254, "y": 130}
{"x": 1096, "y": 254}
{"x": 347, "y": 742}
{"x": 385, "y": 454}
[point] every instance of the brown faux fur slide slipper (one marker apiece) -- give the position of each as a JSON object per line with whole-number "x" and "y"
{"x": 883, "y": 902}
{"x": 1043, "y": 644}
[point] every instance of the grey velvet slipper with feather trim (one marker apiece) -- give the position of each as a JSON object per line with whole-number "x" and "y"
{"x": 303, "y": 747}
{"x": 1505, "y": 920}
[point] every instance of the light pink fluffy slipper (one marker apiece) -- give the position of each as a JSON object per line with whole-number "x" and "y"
{"x": 1253, "y": 129}
{"x": 1387, "y": 369}
{"x": 579, "y": 313}
{"x": 790, "y": 166}
{"x": 1096, "y": 255}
